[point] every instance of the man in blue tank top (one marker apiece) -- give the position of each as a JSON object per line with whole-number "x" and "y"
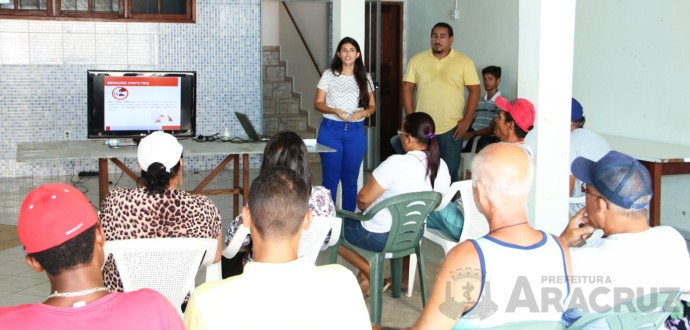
{"x": 514, "y": 273}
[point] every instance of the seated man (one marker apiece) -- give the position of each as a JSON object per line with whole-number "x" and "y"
{"x": 60, "y": 233}
{"x": 583, "y": 143}
{"x": 499, "y": 278}
{"x": 631, "y": 259}
{"x": 515, "y": 119}
{"x": 484, "y": 125}
{"x": 277, "y": 290}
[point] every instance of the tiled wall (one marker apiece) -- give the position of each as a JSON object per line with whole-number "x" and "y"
{"x": 43, "y": 75}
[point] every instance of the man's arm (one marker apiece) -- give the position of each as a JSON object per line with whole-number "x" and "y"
{"x": 470, "y": 108}
{"x": 408, "y": 90}
{"x": 443, "y": 312}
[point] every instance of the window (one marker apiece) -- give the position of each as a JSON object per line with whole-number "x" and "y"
{"x": 134, "y": 10}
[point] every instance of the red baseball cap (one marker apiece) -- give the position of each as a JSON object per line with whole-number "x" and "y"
{"x": 53, "y": 214}
{"x": 521, "y": 110}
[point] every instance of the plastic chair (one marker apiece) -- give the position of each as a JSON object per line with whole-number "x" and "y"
{"x": 311, "y": 241}
{"x": 408, "y": 212}
{"x": 438, "y": 236}
{"x": 466, "y": 158}
{"x": 475, "y": 225}
{"x": 230, "y": 251}
{"x": 167, "y": 265}
{"x": 646, "y": 312}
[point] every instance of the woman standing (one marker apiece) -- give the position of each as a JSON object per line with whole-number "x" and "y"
{"x": 345, "y": 95}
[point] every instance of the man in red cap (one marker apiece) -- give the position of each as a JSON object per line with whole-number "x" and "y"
{"x": 515, "y": 119}
{"x": 61, "y": 235}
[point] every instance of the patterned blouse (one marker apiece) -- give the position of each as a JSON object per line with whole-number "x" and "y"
{"x": 134, "y": 213}
{"x": 320, "y": 204}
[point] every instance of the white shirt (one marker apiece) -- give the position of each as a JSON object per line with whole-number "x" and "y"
{"x": 292, "y": 295}
{"x": 401, "y": 174}
{"x": 587, "y": 144}
{"x": 342, "y": 92}
{"x": 625, "y": 263}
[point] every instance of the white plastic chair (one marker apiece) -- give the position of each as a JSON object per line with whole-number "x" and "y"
{"x": 311, "y": 241}
{"x": 230, "y": 251}
{"x": 167, "y": 265}
{"x": 438, "y": 236}
{"x": 475, "y": 225}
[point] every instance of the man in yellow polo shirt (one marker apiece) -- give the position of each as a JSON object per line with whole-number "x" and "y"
{"x": 439, "y": 76}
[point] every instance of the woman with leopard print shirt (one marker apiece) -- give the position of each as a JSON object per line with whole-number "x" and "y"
{"x": 157, "y": 208}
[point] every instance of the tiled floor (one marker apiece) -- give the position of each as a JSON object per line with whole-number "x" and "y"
{"x": 19, "y": 284}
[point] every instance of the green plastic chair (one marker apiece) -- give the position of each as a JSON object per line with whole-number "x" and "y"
{"x": 646, "y": 312}
{"x": 408, "y": 212}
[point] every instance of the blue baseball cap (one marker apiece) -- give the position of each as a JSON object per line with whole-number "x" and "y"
{"x": 620, "y": 178}
{"x": 576, "y": 113}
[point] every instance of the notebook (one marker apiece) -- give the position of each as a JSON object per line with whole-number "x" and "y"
{"x": 249, "y": 128}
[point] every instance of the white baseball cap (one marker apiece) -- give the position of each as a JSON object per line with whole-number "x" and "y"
{"x": 159, "y": 147}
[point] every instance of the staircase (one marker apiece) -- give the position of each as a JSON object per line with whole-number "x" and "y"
{"x": 282, "y": 110}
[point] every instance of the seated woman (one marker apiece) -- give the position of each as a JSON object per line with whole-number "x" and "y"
{"x": 157, "y": 208}
{"x": 287, "y": 149}
{"x": 420, "y": 169}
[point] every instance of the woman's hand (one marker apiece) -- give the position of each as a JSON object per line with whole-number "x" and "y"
{"x": 342, "y": 114}
{"x": 359, "y": 114}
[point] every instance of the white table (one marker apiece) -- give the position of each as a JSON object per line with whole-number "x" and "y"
{"x": 96, "y": 149}
{"x": 659, "y": 158}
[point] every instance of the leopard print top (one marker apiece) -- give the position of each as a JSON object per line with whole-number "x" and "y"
{"x": 134, "y": 213}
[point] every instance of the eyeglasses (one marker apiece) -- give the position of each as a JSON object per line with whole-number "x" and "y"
{"x": 401, "y": 133}
{"x": 584, "y": 189}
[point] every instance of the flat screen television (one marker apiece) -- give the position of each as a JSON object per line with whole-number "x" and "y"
{"x": 132, "y": 104}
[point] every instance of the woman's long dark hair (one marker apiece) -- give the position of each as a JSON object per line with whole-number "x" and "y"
{"x": 156, "y": 179}
{"x": 287, "y": 149}
{"x": 421, "y": 127}
{"x": 360, "y": 72}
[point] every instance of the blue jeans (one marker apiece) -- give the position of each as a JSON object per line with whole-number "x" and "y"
{"x": 342, "y": 166}
{"x": 450, "y": 151}
{"x": 357, "y": 235}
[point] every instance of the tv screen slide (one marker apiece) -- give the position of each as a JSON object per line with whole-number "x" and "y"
{"x": 132, "y": 104}
{"x": 141, "y": 103}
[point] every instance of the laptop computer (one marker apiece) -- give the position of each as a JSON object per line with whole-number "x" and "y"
{"x": 249, "y": 128}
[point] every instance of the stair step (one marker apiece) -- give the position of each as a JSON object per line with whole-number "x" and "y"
{"x": 281, "y": 105}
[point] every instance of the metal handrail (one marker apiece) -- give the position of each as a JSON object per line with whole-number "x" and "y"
{"x": 304, "y": 42}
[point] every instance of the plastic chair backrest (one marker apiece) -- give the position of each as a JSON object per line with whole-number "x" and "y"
{"x": 236, "y": 242}
{"x": 408, "y": 212}
{"x": 475, "y": 225}
{"x": 167, "y": 265}
{"x": 646, "y": 312}
{"x": 448, "y": 196}
{"x": 312, "y": 239}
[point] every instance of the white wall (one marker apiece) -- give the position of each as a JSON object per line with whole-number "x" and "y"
{"x": 270, "y": 31}
{"x": 631, "y": 73}
{"x": 486, "y": 32}
{"x": 631, "y": 67}
{"x": 312, "y": 20}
